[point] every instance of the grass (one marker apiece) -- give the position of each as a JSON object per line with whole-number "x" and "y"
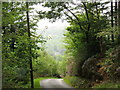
{"x": 76, "y": 82}
{"x": 107, "y": 85}
{"x": 66, "y": 80}
{"x": 37, "y": 81}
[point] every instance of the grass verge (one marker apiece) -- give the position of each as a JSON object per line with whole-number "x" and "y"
{"x": 76, "y": 82}
{"x": 107, "y": 85}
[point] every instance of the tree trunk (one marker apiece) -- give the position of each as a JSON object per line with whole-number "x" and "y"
{"x": 112, "y": 36}
{"x": 116, "y": 12}
{"x": 119, "y": 22}
{"x": 88, "y": 27}
{"x": 12, "y": 45}
{"x": 30, "y": 51}
{"x": 12, "y": 30}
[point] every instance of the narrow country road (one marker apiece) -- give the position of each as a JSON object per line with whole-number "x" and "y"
{"x": 54, "y": 84}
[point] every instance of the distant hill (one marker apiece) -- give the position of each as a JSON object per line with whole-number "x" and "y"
{"x": 54, "y": 45}
{"x": 54, "y": 34}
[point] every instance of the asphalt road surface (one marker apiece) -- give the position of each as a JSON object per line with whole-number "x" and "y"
{"x": 55, "y": 84}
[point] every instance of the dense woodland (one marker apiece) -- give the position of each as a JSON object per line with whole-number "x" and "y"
{"x": 92, "y": 43}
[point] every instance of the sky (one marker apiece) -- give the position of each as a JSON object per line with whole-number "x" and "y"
{"x": 42, "y": 24}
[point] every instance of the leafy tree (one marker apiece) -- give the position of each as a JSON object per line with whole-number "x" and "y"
{"x": 16, "y": 44}
{"x": 45, "y": 65}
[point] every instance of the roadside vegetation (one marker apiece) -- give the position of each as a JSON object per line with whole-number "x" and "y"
{"x": 77, "y": 82}
{"x": 107, "y": 85}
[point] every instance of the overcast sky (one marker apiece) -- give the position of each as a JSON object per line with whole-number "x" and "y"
{"x": 42, "y": 24}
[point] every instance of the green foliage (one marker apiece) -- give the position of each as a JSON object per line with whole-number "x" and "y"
{"x": 45, "y": 65}
{"x": 54, "y": 13}
{"x": 61, "y": 67}
{"x": 107, "y": 35}
{"x": 75, "y": 44}
{"x": 107, "y": 85}
{"x": 86, "y": 36}
{"x": 81, "y": 41}
{"x": 110, "y": 63}
{"x": 16, "y": 45}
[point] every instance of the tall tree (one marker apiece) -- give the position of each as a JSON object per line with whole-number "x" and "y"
{"x": 30, "y": 51}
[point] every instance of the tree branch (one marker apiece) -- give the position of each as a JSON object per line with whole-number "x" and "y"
{"x": 86, "y": 15}
{"x": 74, "y": 16}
